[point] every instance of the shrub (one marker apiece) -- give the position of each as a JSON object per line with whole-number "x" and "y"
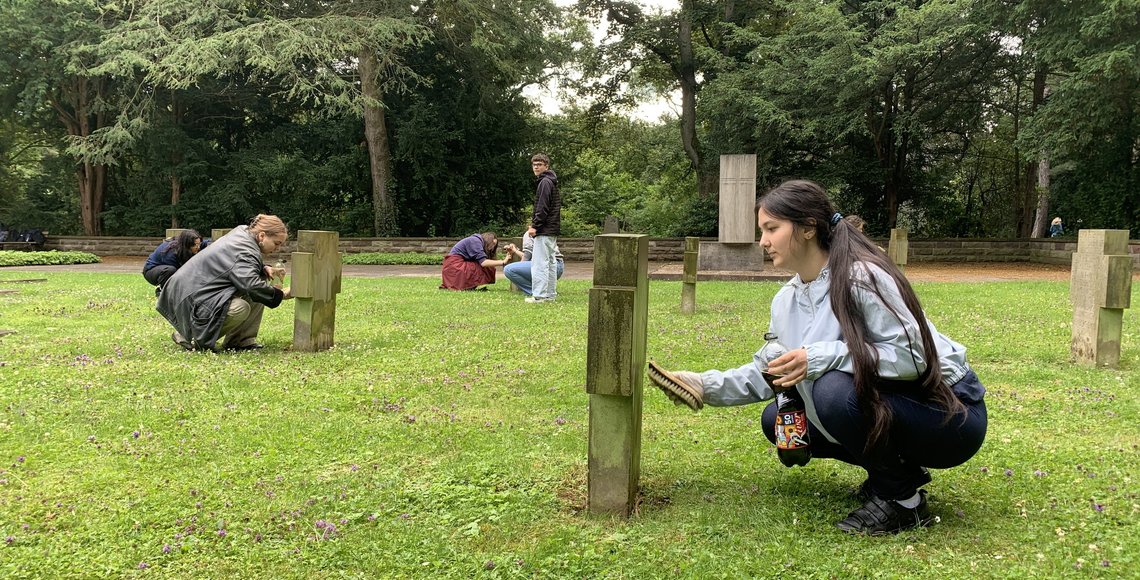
{"x": 51, "y": 258}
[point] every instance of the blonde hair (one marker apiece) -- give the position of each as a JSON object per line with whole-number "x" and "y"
{"x": 268, "y": 224}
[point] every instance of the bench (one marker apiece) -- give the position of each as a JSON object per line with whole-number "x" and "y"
{"x": 21, "y": 246}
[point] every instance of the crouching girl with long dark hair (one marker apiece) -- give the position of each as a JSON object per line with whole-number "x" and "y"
{"x": 883, "y": 390}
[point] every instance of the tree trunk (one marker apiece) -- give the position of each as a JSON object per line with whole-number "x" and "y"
{"x": 175, "y": 193}
{"x": 379, "y": 151}
{"x": 73, "y": 108}
{"x": 687, "y": 76}
{"x": 1039, "y": 187}
{"x": 92, "y": 184}
{"x": 175, "y": 161}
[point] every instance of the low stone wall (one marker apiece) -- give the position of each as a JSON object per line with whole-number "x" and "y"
{"x": 1044, "y": 251}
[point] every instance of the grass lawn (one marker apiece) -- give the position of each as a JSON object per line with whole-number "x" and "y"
{"x": 445, "y": 435}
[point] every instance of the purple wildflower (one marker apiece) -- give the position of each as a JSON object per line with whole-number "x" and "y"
{"x": 1104, "y": 563}
{"x": 1040, "y": 473}
{"x": 1098, "y": 507}
{"x": 985, "y": 469}
{"x": 490, "y": 565}
{"x": 371, "y": 517}
{"x": 559, "y": 421}
{"x": 143, "y": 565}
{"x": 354, "y": 467}
{"x": 222, "y": 533}
{"x": 10, "y": 540}
{"x": 20, "y": 459}
{"x": 135, "y": 434}
{"x": 1008, "y": 472}
{"x": 166, "y": 548}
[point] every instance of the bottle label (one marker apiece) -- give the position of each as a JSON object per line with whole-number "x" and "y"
{"x": 791, "y": 429}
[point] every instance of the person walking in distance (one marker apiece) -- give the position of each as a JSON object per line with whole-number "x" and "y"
{"x": 545, "y": 225}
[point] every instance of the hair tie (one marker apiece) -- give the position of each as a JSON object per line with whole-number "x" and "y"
{"x": 835, "y": 218}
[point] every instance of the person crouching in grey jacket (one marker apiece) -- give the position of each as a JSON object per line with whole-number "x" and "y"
{"x": 225, "y": 288}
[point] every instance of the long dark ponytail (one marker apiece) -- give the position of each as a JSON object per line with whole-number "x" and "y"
{"x": 805, "y": 204}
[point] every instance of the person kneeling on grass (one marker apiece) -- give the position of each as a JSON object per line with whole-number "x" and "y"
{"x": 169, "y": 256}
{"x": 224, "y": 290}
{"x": 519, "y": 272}
{"x": 469, "y": 264}
{"x": 882, "y": 389}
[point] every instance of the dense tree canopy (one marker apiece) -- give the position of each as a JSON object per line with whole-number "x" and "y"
{"x": 948, "y": 117}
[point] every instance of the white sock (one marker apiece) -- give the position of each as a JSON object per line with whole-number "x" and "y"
{"x": 910, "y": 502}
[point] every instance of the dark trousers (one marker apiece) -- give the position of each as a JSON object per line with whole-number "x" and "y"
{"x": 158, "y": 275}
{"x": 919, "y": 435}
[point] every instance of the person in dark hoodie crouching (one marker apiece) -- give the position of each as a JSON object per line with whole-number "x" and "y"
{"x": 224, "y": 290}
{"x": 170, "y": 255}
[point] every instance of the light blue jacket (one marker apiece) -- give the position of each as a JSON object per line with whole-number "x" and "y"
{"x": 802, "y": 316}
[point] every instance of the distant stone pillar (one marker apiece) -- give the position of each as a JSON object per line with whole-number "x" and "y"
{"x": 737, "y": 199}
{"x": 898, "y": 247}
{"x": 615, "y": 370}
{"x": 736, "y": 248}
{"x": 1100, "y": 288}
{"x": 689, "y": 275}
{"x": 610, "y": 226}
{"x": 219, "y": 232}
{"x": 315, "y": 284}
{"x": 173, "y": 232}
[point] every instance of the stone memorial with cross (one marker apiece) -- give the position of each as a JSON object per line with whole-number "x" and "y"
{"x": 898, "y": 247}
{"x": 689, "y": 275}
{"x": 615, "y": 370}
{"x": 315, "y": 284}
{"x": 1100, "y": 288}
{"x": 736, "y": 248}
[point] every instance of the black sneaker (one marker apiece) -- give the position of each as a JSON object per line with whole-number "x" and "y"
{"x": 864, "y": 492}
{"x": 879, "y": 517}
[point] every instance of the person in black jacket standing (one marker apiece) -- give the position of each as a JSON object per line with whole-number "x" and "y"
{"x": 545, "y": 225}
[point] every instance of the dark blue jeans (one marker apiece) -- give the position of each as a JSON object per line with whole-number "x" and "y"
{"x": 919, "y": 435}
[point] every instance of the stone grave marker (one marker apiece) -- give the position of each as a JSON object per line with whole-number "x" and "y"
{"x": 1100, "y": 288}
{"x": 736, "y": 248}
{"x": 615, "y": 370}
{"x": 898, "y": 247}
{"x": 315, "y": 284}
{"x": 689, "y": 275}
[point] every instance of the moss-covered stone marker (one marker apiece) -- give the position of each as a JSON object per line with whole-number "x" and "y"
{"x": 315, "y": 284}
{"x": 1100, "y": 288}
{"x": 615, "y": 370}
